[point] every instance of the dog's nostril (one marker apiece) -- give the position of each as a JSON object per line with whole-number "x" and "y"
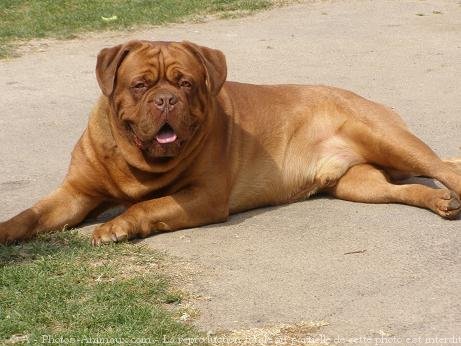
{"x": 173, "y": 100}
{"x": 159, "y": 101}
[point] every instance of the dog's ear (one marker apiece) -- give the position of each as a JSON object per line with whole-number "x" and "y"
{"x": 108, "y": 62}
{"x": 214, "y": 62}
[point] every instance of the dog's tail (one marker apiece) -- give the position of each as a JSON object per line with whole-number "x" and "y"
{"x": 455, "y": 163}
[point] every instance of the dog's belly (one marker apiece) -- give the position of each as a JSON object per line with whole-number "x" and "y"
{"x": 302, "y": 171}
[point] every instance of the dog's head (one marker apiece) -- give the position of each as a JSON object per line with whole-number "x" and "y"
{"x": 160, "y": 94}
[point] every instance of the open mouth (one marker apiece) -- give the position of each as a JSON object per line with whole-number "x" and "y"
{"x": 166, "y": 134}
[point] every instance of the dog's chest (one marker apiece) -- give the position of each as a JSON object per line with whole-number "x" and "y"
{"x": 129, "y": 184}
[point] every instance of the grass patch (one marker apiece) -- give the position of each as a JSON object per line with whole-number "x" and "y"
{"x": 29, "y": 19}
{"x": 58, "y": 287}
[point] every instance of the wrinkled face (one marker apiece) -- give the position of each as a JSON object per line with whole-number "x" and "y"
{"x": 160, "y": 94}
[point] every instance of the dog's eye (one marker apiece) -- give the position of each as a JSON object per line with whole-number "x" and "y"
{"x": 185, "y": 84}
{"x": 139, "y": 85}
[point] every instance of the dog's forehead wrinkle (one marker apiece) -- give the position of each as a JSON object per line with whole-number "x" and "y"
{"x": 160, "y": 60}
{"x": 164, "y": 62}
{"x": 161, "y": 63}
{"x": 180, "y": 61}
{"x": 176, "y": 71}
{"x": 139, "y": 65}
{"x": 151, "y": 49}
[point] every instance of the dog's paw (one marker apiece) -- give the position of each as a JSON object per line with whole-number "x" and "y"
{"x": 113, "y": 231}
{"x": 447, "y": 204}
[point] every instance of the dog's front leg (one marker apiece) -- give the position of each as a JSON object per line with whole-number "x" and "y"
{"x": 185, "y": 209}
{"x": 66, "y": 206}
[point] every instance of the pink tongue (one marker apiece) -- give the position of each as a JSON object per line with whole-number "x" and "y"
{"x": 166, "y": 137}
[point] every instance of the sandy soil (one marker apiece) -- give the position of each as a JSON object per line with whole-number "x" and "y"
{"x": 284, "y": 265}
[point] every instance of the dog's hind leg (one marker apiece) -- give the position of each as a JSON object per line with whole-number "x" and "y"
{"x": 455, "y": 164}
{"x": 396, "y": 175}
{"x": 368, "y": 184}
{"x": 66, "y": 206}
{"x": 395, "y": 148}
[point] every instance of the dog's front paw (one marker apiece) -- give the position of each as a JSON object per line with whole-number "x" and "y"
{"x": 113, "y": 231}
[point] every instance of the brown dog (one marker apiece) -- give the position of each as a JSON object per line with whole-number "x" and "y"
{"x": 182, "y": 148}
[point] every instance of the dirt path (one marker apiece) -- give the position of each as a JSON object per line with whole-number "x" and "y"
{"x": 287, "y": 264}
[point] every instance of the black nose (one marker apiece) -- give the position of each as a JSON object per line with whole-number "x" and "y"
{"x": 165, "y": 100}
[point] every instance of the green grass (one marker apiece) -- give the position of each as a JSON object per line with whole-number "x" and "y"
{"x": 58, "y": 286}
{"x": 29, "y": 19}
